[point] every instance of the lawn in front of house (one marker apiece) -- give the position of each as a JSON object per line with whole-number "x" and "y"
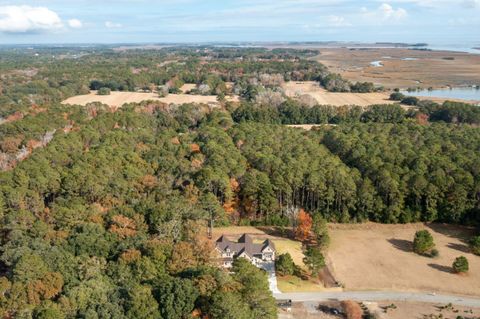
{"x": 295, "y": 284}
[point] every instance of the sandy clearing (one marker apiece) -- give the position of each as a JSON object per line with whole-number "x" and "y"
{"x": 117, "y": 99}
{"x": 374, "y": 256}
{"x": 324, "y": 97}
{"x": 308, "y": 127}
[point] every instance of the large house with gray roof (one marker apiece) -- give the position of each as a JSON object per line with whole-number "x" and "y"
{"x": 244, "y": 247}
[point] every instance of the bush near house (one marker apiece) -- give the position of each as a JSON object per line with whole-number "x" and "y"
{"x": 284, "y": 265}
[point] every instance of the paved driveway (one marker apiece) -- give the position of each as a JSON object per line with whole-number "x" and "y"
{"x": 269, "y": 267}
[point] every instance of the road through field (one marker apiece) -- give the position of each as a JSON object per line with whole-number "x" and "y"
{"x": 380, "y": 296}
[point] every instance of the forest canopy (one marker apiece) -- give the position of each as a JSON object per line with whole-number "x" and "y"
{"x": 105, "y": 211}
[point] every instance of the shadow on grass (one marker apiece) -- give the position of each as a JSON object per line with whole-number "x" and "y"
{"x": 459, "y": 247}
{"x": 442, "y": 268}
{"x": 276, "y": 231}
{"x": 401, "y": 244}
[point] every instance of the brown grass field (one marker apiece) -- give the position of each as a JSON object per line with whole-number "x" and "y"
{"x": 117, "y": 99}
{"x": 430, "y": 69}
{"x": 324, "y": 97}
{"x": 376, "y": 257}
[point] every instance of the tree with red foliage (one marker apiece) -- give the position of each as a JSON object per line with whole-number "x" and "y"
{"x": 302, "y": 232}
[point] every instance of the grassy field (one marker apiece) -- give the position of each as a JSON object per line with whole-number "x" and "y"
{"x": 117, "y": 99}
{"x": 295, "y": 284}
{"x": 324, "y": 97}
{"x": 373, "y": 256}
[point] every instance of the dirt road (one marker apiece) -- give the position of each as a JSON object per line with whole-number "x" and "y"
{"x": 315, "y": 297}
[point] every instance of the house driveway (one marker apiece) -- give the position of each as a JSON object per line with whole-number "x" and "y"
{"x": 269, "y": 267}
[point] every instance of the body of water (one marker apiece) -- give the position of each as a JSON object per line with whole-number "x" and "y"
{"x": 464, "y": 93}
{"x": 376, "y": 64}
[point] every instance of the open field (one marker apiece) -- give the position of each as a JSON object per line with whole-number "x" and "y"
{"x": 324, "y": 97}
{"x": 421, "y": 68}
{"x": 374, "y": 256}
{"x": 294, "y": 284}
{"x": 117, "y": 99}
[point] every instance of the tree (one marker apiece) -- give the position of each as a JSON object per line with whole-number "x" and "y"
{"x": 314, "y": 260}
{"x": 397, "y": 96}
{"x": 410, "y": 100}
{"x": 302, "y": 231}
{"x": 141, "y": 304}
{"x": 474, "y": 244}
{"x": 284, "y": 265}
{"x": 460, "y": 265}
{"x": 103, "y": 91}
{"x": 255, "y": 289}
{"x": 423, "y": 242}
{"x": 229, "y": 305}
{"x": 176, "y": 298}
{"x": 320, "y": 230}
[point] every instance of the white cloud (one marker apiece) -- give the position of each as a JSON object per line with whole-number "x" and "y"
{"x": 112, "y": 25}
{"x": 387, "y": 12}
{"x": 384, "y": 13}
{"x": 75, "y": 23}
{"x": 22, "y": 19}
{"x": 337, "y": 21}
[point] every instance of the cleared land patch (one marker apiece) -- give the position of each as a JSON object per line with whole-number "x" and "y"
{"x": 117, "y": 99}
{"x": 324, "y": 97}
{"x": 374, "y": 256}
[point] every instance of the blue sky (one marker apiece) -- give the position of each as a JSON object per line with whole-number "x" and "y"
{"x": 140, "y": 21}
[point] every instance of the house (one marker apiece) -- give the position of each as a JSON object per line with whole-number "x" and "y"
{"x": 244, "y": 247}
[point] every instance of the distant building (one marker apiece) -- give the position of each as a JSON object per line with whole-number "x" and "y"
{"x": 244, "y": 248}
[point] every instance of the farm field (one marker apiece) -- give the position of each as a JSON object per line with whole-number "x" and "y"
{"x": 117, "y": 99}
{"x": 324, "y": 97}
{"x": 373, "y": 256}
{"x": 403, "y": 68}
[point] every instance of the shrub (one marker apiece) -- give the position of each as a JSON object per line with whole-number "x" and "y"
{"x": 434, "y": 253}
{"x": 284, "y": 264}
{"x": 397, "y": 96}
{"x": 103, "y": 91}
{"x": 410, "y": 100}
{"x": 352, "y": 309}
{"x": 423, "y": 242}
{"x": 475, "y": 245}
{"x": 460, "y": 265}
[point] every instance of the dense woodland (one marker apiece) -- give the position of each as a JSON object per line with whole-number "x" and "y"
{"x": 106, "y": 214}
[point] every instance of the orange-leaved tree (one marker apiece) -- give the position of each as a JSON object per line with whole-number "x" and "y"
{"x": 302, "y": 232}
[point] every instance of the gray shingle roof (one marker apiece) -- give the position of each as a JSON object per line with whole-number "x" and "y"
{"x": 244, "y": 243}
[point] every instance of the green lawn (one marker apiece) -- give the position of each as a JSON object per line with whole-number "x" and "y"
{"x": 295, "y": 284}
